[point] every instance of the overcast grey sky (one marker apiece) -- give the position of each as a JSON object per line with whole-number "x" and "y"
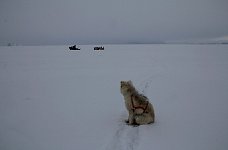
{"x": 42, "y": 22}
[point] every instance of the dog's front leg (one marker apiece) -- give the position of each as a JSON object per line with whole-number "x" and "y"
{"x": 131, "y": 117}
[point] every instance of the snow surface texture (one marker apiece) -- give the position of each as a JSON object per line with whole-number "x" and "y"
{"x": 54, "y": 99}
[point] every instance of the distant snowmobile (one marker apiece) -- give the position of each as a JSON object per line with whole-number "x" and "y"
{"x": 74, "y": 48}
{"x": 99, "y": 48}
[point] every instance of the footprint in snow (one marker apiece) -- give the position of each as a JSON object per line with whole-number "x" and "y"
{"x": 125, "y": 138}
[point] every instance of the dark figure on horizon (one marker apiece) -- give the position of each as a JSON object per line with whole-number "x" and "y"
{"x": 74, "y": 48}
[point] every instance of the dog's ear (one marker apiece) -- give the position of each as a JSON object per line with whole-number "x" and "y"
{"x": 129, "y": 82}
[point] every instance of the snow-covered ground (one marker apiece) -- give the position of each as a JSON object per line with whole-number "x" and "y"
{"x": 55, "y": 99}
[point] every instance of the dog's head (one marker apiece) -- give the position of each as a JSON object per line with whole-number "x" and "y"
{"x": 125, "y": 86}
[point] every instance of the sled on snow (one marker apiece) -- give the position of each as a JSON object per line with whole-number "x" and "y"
{"x": 99, "y": 48}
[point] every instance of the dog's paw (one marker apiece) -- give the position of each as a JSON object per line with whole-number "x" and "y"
{"x": 134, "y": 124}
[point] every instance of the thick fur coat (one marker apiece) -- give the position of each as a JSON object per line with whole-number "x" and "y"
{"x": 140, "y": 110}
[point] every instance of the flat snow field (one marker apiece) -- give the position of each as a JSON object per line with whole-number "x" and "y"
{"x": 52, "y": 98}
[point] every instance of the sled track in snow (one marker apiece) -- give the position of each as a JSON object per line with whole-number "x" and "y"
{"x": 125, "y": 138}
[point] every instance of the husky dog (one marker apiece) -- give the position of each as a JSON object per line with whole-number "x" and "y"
{"x": 140, "y": 110}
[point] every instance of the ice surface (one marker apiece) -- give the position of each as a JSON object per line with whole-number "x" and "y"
{"x": 53, "y": 99}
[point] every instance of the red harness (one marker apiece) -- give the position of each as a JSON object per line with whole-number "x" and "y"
{"x": 138, "y": 107}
